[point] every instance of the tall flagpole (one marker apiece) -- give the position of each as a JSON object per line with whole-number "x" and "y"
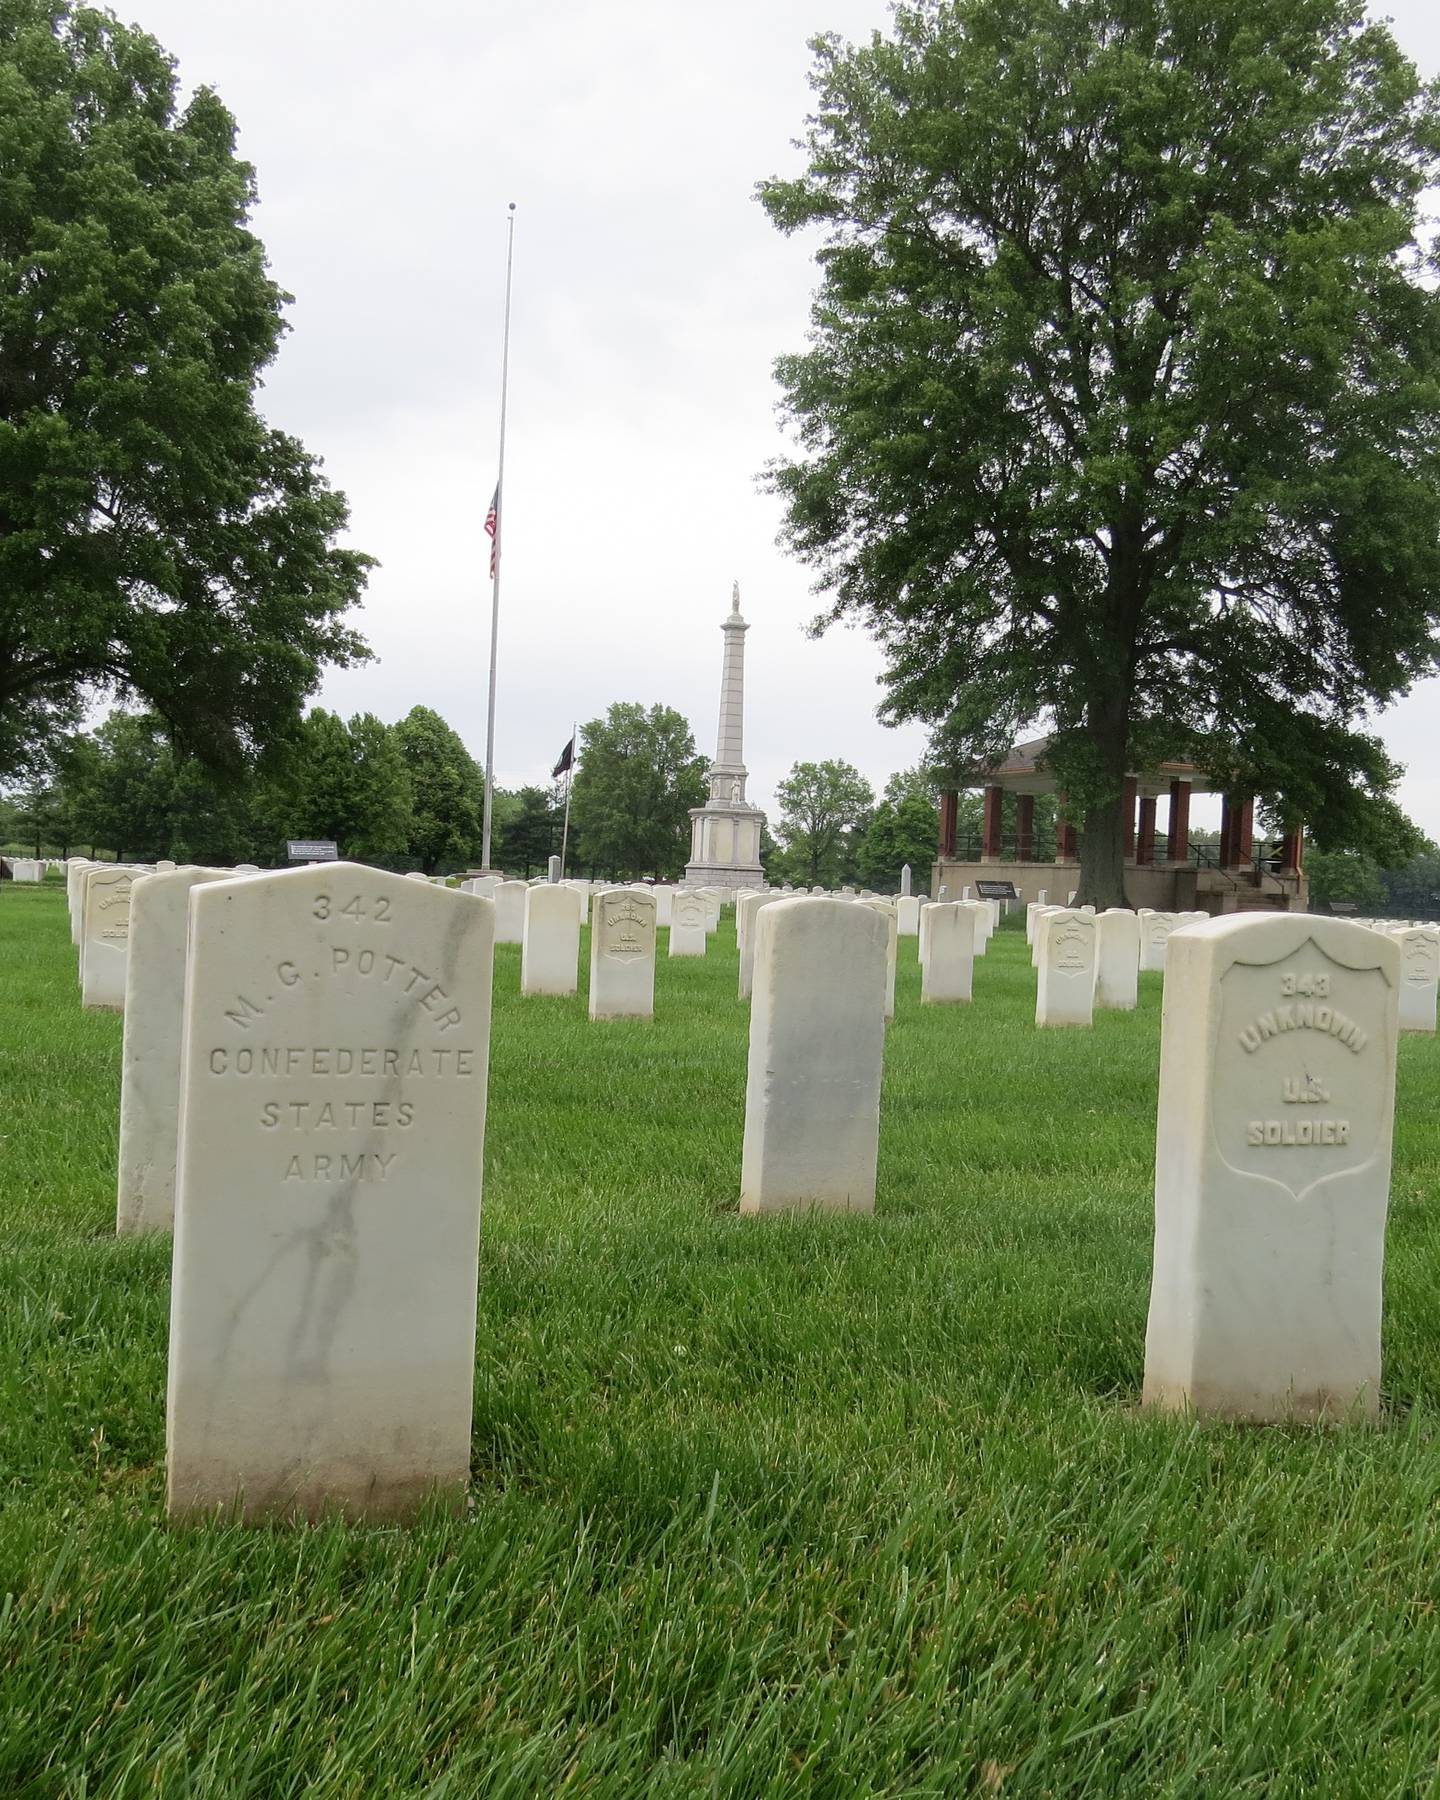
{"x": 569, "y": 783}
{"x": 499, "y": 534}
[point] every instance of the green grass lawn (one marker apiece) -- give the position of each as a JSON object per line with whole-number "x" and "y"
{"x": 839, "y": 1507}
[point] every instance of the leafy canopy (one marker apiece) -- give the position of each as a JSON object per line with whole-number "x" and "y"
{"x": 157, "y": 538}
{"x": 638, "y": 778}
{"x": 1121, "y": 407}
{"x": 822, "y": 804}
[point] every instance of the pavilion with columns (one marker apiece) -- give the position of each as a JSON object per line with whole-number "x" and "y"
{"x": 1233, "y": 876}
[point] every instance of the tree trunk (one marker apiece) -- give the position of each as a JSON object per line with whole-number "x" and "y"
{"x": 1102, "y": 836}
{"x": 1102, "y": 857}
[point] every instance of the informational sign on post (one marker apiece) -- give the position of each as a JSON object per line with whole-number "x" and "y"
{"x": 996, "y": 890}
{"x": 308, "y": 850}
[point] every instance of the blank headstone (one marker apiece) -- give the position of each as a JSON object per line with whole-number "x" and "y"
{"x": 150, "y": 1058}
{"x": 509, "y": 898}
{"x": 906, "y": 881}
{"x": 747, "y": 909}
{"x": 1272, "y": 1168}
{"x": 1117, "y": 960}
{"x": 817, "y": 1043}
{"x": 947, "y": 971}
{"x": 622, "y": 955}
{"x": 907, "y": 915}
{"x": 550, "y": 947}
{"x": 327, "y": 1220}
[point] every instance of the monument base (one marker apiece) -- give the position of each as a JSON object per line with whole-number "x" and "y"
{"x": 724, "y": 875}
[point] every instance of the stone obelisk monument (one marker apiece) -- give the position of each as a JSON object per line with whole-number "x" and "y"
{"x": 725, "y": 831}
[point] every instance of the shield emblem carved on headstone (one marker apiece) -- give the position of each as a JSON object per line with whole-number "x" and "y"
{"x": 625, "y": 925}
{"x": 1302, "y": 1068}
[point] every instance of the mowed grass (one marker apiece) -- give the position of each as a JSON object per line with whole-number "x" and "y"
{"x": 760, "y": 1507}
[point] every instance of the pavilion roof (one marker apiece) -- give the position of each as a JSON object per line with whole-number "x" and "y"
{"x": 1022, "y": 770}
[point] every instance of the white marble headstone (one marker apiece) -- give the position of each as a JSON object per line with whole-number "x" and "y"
{"x": 550, "y": 947}
{"x": 509, "y": 898}
{"x": 622, "y": 955}
{"x": 150, "y": 1057}
{"x": 1065, "y": 992}
{"x": 1117, "y": 964}
{"x": 327, "y": 1220}
{"x": 1419, "y": 975}
{"x": 689, "y": 913}
{"x": 947, "y": 969}
{"x": 817, "y": 1044}
{"x": 105, "y": 937}
{"x": 1272, "y": 1167}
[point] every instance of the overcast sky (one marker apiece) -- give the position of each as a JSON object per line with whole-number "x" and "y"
{"x": 651, "y": 298}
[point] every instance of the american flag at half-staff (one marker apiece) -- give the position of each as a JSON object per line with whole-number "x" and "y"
{"x": 492, "y": 530}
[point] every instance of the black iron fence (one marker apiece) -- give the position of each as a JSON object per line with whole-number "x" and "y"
{"x": 1266, "y": 856}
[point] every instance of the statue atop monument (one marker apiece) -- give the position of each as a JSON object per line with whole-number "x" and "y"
{"x": 725, "y": 832}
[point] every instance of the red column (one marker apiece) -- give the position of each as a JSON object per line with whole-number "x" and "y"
{"x": 949, "y": 814}
{"x": 1244, "y": 831}
{"x": 1292, "y": 851}
{"x": 1145, "y": 842}
{"x": 1179, "y": 822}
{"x": 1127, "y": 816}
{"x": 1025, "y": 827}
{"x": 1067, "y": 848}
{"x": 994, "y": 824}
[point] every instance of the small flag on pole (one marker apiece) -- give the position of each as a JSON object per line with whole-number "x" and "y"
{"x": 567, "y": 758}
{"x": 492, "y": 531}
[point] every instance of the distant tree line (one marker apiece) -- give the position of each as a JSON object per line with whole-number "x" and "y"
{"x": 402, "y": 796}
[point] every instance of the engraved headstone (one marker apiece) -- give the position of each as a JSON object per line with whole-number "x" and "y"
{"x": 947, "y": 970}
{"x": 1419, "y": 975}
{"x": 1065, "y": 993}
{"x": 327, "y": 1216}
{"x": 105, "y": 937}
{"x": 622, "y": 955}
{"x": 150, "y": 1057}
{"x": 550, "y": 949}
{"x": 1155, "y": 929}
{"x": 688, "y": 913}
{"x": 1272, "y": 1167}
{"x": 817, "y": 1043}
{"x": 1117, "y": 960}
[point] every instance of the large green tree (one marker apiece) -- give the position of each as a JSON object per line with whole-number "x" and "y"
{"x": 531, "y": 830}
{"x": 1121, "y": 410}
{"x": 447, "y": 792}
{"x": 638, "y": 777}
{"x": 350, "y": 782}
{"x": 157, "y": 538}
{"x": 823, "y": 806}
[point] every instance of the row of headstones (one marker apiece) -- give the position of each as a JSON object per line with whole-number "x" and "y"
{"x": 241, "y": 994}
{"x": 1088, "y": 961}
{"x": 331, "y": 1087}
{"x": 26, "y": 868}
